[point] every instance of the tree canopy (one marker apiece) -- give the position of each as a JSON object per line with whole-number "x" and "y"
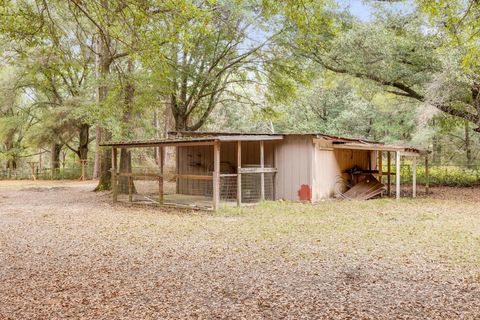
{"x": 77, "y": 72}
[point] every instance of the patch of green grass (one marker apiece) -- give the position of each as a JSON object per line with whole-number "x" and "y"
{"x": 404, "y": 231}
{"x": 421, "y": 228}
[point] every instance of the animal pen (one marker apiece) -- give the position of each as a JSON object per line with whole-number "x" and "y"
{"x": 208, "y": 170}
{"x": 200, "y": 172}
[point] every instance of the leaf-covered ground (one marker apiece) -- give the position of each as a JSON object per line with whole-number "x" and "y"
{"x": 66, "y": 252}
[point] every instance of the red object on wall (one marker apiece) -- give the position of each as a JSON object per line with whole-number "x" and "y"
{"x": 305, "y": 193}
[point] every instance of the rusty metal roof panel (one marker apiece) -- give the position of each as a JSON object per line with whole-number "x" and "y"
{"x": 156, "y": 142}
{"x": 189, "y": 139}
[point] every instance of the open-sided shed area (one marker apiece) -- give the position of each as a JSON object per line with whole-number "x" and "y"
{"x": 199, "y": 171}
{"x": 207, "y": 170}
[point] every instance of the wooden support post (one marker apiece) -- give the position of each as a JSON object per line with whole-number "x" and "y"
{"x": 414, "y": 177}
{"x": 427, "y": 181}
{"x": 380, "y": 167}
{"x": 114, "y": 174}
{"x": 262, "y": 175}
{"x": 130, "y": 193}
{"x": 239, "y": 175}
{"x": 216, "y": 175}
{"x": 177, "y": 169}
{"x": 160, "y": 179}
{"x": 397, "y": 175}
{"x": 389, "y": 173}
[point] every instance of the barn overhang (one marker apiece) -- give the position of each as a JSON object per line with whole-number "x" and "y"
{"x": 400, "y": 151}
{"x": 404, "y": 150}
{"x": 189, "y": 141}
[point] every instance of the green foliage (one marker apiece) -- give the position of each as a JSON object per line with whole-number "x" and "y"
{"x": 460, "y": 21}
{"x": 139, "y": 68}
{"x": 444, "y": 175}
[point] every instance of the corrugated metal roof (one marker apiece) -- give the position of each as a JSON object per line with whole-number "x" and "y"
{"x": 166, "y": 141}
{"x": 186, "y": 138}
{"x": 379, "y": 147}
{"x": 190, "y": 139}
{"x": 313, "y": 134}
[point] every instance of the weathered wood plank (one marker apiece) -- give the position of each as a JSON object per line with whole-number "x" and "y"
{"x": 239, "y": 174}
{"x": 397, "y": 178}
{"x": 389, "y": 172}
{"x": 262, "y": 174}
{"x": 160, "y": 178}
{"x": 216, "y": 175}
{"x": 194, "y": 177}
{"x": 258, "y": 170}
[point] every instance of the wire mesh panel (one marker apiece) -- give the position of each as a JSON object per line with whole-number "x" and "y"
{"x": 186, "y": 178}
{"x": 184, "y": 182}
{"x": 251, "y": 187}
{"x": 228, "y": 187}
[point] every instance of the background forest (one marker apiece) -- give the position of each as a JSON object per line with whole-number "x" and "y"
{"x": 77, "y": 72}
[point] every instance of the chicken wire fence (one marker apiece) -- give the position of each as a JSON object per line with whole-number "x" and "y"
{"x": 183, "y": 187}
{"x": 251, "y": 191}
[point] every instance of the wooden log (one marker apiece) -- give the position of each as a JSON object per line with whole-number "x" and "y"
{"x": 216, "y": 175}
{"x": 239, "y": 174}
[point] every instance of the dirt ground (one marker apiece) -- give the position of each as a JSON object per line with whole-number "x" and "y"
{"x": 67, "y": 252}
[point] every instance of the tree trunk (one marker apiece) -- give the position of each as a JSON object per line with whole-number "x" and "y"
{"x": 83, "y": 141}
{"x": 180, "y": 123}
{"x": 437, "y": 150}
{"x": 55, "y": 156}
{"x": 156, "y": 125}
{"x": 96, "y": 166}
{"x": 12, "y": 164}
{"x": 105, "y": 159}
{"x": 125, "y": 166}
{"x": 104, "y": 155}
{"x": 468, "y": 144}
{"x": 126, "y": 156}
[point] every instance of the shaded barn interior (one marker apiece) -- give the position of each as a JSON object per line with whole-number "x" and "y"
{"x": 199, "y": 161}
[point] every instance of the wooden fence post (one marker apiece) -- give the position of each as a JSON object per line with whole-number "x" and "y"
{"x": 216, "y": 175}
{"x": 389, "y": 173}
{"x": 114, "y": 174}
{"x": 239, "y": 174}
{"x": 397, "y": 173}
{"x": 160, "y": 179}
{"x": 262, "y": 174}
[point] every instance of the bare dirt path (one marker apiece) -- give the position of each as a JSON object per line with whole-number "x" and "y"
{"x": 66, "y": 252}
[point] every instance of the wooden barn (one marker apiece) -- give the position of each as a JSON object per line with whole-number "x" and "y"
{"x": 211, "y": 168}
